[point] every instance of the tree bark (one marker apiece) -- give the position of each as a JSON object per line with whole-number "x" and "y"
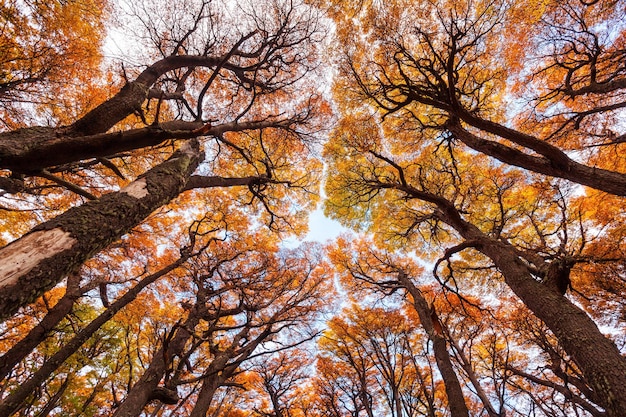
{"x": 467, "y": 367}
{"x": 596, "y": 355}
{"x": 209, "y": 386}
{"x": 44, "y": 256}
{"x": 454, "y": 392}
{"x": 554, "y": 164}
{"x": 30, "y": 150}
{"x": 224, "y": 366}
{"x": 147, "y": 387}
{"x": 133, "y": 94}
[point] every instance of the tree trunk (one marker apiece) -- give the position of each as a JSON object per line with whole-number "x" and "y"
{"x": 454, "y": 392}
{"x": 596, "y": 355}
{"x": 564, "y": 167}
{"x": 147, "y": 387}
{"x": 11, "y": 403}
{"x": 206, "y": 394}
{"x": 133, "y": 94}
{"x": 44, "y": 256}
{"x": 467, "y": 367}
{"x": 30, "y": 150}
{"x": 224, "y": 366}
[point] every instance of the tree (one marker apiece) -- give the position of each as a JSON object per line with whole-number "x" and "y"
{"x": 369, "y": 364}
{"x": 403, "y": 177}
{"x": 431, "y": 74}
{"x": 261, "y": 138}
{"x": 557, "y": 386}
{"x": 12, "y": 402}
{"x": 478, "y": 148}
{"x": 245, "y": 298}
{"x": 540, "y": 283}
{"x": 280, "y": 380}
{"x": 369, "y": 271}
{"x": 214, "y": 98}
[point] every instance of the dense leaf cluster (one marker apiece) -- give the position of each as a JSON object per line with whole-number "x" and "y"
{"x": 474, "y": 148}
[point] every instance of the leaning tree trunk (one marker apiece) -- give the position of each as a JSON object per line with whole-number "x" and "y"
{"x": 209, "y": 386}
{"x": 31, "y": 149}
{"x": 40, "y": 259}
{"x": 147, "y": 387}
{"x": 224, "y": 366}
{"x": 596, "y": 355}
{"x": 471, "y": 374}
{"x": 552, "y": 161}
{"x": 430, "y": 323}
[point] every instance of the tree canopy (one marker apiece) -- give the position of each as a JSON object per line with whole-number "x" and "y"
{"x": 154, "y": 206}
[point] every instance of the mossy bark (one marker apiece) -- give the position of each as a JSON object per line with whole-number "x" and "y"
{"x": 88, "y": 229}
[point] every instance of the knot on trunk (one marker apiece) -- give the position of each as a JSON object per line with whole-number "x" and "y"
{"x": 12, "y": 185}
{"x": 556, "y": 276}
{"x": 165, "y": 395}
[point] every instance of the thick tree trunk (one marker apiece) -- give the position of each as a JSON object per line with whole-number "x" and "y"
{"x": 33, "y": 149}
{"x": 555, "y": 163}
{"x": 30, "y": 150}
{"x": 11, "y": 403}
{"x": 454, "y": 392}
{"x": 40, "y": 259}
{"x": 596, "y": 355}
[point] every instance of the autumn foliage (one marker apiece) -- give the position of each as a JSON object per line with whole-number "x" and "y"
{"x": 154, "y": 205}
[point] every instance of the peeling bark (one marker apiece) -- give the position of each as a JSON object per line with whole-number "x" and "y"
{"x": 22, "y": 256}
{"x": 30, "y": 268}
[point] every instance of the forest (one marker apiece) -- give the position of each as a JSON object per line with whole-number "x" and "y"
{"x": 159, "y": 161}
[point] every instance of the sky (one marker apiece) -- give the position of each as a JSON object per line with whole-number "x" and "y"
{"x": 321, "y": 228}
